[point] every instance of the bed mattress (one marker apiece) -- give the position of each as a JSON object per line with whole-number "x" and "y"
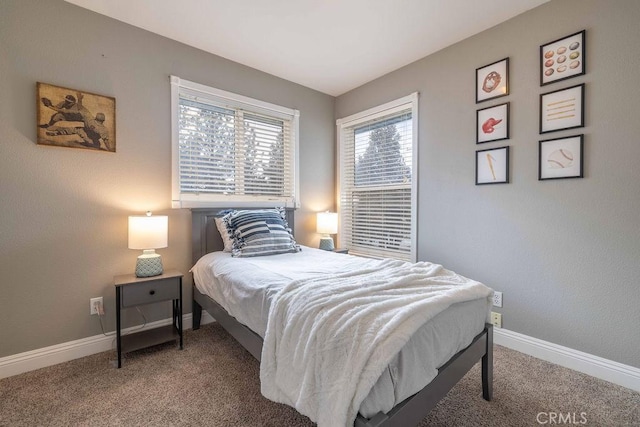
{"x": 245, "y": 287}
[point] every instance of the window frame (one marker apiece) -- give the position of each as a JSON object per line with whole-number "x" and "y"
{"x": 232, "y": 101}
{"x": 352, "y": 121}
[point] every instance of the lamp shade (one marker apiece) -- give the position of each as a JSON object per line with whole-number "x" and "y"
{"x": 327, "y": 223}
{"x": 148, "y": 232}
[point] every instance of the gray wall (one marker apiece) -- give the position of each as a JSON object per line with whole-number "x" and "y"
{"x": 565, "y": 253}
{"x": 63, "y": 212}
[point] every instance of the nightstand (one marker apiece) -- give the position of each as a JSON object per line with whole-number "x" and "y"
{"x": 132, "y": 291}
{"x": 341, "y": 250}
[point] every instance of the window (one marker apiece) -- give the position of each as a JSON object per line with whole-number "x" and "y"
{"x": 377, "y": 201}
{"x": 230, "y": 150}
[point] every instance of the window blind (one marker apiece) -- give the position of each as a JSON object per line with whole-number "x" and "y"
{"x": 230, "y": 152}
{"x": 376, "y": 184}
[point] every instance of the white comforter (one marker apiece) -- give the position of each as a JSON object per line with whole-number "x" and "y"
{"x": 329, "y": 339}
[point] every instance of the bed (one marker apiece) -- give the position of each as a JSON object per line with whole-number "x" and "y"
{"x": 207, "y": 243}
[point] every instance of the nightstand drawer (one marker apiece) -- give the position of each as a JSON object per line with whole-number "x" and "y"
{"x": 150, "y": 292}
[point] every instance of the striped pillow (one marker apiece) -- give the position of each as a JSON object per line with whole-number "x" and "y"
{"x": 259, "y": 233}
{"x": 224, "y": 233}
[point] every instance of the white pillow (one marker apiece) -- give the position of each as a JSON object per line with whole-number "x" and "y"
{"x": 224, "y": 233}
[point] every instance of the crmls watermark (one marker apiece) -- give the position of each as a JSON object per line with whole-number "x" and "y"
{"x": 554, "y": 418}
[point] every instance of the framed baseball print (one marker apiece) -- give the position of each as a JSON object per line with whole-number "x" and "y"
{"x": 492, "y": 81}
{"x": 492, "y": 123}
{"x": 76, "y": 119}
{"x": 562, "y": 59}
{"x": 561, "y": 158}
{"x": 562, "y": 109}
{"x": 492, "y": 166}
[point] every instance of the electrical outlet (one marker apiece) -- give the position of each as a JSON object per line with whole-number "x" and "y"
{"x": 95, "y": 306}
{"x": 496, "y": 319}
{"x": 497, "y": 299}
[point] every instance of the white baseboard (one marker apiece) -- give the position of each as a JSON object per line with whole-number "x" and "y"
{"x": 608, "y": 370}
{"x": 47, "y": 356}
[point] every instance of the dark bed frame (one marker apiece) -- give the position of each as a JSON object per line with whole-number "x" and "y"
{"x": 206, "y": 238}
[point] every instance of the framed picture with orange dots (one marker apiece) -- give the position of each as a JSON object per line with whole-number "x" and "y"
{"x": 562, "y": 59}
{"x": 561, "y": 158}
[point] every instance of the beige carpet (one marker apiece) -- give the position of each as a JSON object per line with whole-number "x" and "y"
{"x": 215, "y": 382}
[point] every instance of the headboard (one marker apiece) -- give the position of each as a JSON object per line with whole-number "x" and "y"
{"x": 205, "y": 237}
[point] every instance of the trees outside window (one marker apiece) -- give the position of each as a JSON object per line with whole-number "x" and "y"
{"x": 229, "y": 150}
{"x": 377, "y": 201}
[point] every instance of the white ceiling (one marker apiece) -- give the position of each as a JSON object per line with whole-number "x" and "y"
{"x": 332, "y": 46}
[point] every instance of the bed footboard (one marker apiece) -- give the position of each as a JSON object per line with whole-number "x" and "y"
{"x": 407, "y": 413}
{"x": 197, "y": 314}
{"x": 487, "y": 365}
{"x": 412, "y": 410}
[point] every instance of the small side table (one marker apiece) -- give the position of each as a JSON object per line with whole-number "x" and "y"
{"x": 341, "y": 250}
{"x": 132, "y": 291}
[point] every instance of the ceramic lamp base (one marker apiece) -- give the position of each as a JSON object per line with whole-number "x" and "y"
{"x": 326, "y": 243}
{"x": 149, "y": 265}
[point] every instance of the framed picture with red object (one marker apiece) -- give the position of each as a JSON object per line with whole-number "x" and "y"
{"x": 492, "y": 81}
{"x": 492, "y": 123}
{"x": 562, "y": 59}
{"x": 561, "y": 158}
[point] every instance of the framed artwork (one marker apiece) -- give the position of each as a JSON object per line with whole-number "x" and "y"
{"x": 492, "y": 166}
{"x": 492, "y": 123}
{"x": 77, "y": 119}
{"x": 561, "y": 158}
{"x": 562, "y": 109}
{"x": 492, "y": 81}
{"x": 562, "y": 59}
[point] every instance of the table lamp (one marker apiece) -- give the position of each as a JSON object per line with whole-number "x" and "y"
{"x": 327, "y": 223}
{"x": 148, "y": 233}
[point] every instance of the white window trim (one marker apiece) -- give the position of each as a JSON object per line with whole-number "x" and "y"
{"x": 387, "y": 108}
{"x": 193, "y": 201}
